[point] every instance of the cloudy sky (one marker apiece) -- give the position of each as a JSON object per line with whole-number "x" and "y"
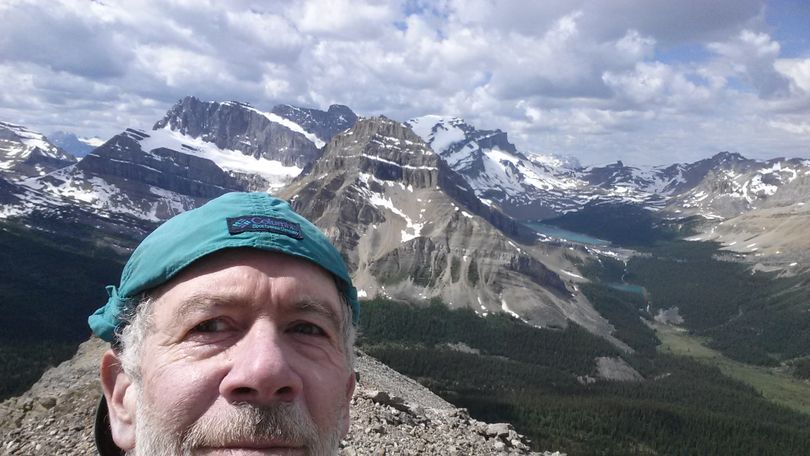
{"x": 643, "y": 81}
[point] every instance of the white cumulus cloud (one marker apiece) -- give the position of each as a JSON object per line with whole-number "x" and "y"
{"x": 637, "y": 80}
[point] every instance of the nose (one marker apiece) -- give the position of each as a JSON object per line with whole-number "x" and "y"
{"x": 260, "y": 372}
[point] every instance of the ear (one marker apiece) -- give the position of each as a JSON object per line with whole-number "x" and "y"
{"x": 350, "y": 384}
{"x": 121, "y": 401}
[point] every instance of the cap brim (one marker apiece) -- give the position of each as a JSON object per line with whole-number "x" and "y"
{"x": 103, "y": 434}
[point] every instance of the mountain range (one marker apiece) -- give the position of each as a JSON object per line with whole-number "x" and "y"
{"x": 430, "y": 208}
{"x": 439, "y": 213}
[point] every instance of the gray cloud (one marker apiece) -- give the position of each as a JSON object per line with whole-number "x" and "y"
{"x": 684, "y": 21}
{"x": 61, "y": 39}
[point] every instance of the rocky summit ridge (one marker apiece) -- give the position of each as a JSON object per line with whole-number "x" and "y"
{"x": 390, "y": 415}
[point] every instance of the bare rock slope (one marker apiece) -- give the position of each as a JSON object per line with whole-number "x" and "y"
{"x": 391, "y": 415}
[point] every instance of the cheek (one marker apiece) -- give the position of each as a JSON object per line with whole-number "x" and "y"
{"x": 180, "y": 392}
{"x": 325, "y": 391}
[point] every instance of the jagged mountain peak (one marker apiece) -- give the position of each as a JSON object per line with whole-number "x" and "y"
{"x": 237, "y": 125}
{"x": 323, "y": 124}
{"x": 726, "y": 156}
{"x": 449, "y": 135}
{"x": 241, "y": 128}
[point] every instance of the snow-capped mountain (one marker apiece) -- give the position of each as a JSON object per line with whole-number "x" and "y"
{"x": 25, "y": 153}
{"x": 524, "y": 188}
{"x": 432, "y": 208}
{"x": 134, "y": 173}
{"x": 750, "y": 206}
{"x": 272, "y": 136}
{"x": 75, "y": 145}
{"x": 535, "y": 186}
{"x": 735, "y": 185}
{"x": 531, "y": 187}
{"x": 757, "y": 208}
{"x": 408, "y": 224}
{"x": 199, "y": 150}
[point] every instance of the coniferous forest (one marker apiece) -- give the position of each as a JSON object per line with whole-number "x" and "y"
{"x": 505, "y": 370}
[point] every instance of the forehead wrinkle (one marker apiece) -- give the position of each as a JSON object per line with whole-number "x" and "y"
{"x": 202, "y": 301}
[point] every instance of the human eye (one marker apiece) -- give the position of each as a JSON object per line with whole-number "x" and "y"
{"x": 308, "y": 329}
{"x": 210, "y": 326}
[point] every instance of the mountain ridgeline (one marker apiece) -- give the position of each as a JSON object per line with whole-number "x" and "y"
{"x": 462, "y": 289}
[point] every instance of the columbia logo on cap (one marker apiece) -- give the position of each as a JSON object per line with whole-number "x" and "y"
{"x": 255, "y": 223}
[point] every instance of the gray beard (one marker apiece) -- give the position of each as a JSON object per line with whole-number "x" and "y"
{"x": 155, "y": 436}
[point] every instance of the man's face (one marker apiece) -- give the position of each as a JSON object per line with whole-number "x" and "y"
{"x": 245, "y": 356}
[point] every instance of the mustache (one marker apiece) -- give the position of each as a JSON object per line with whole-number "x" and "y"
{"x": 281, "y": 424}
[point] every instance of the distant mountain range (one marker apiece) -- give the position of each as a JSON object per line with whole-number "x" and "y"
{"x": 431, "y": 208}
{"x": 74, "y": 145}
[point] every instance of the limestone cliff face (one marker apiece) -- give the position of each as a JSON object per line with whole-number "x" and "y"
{"x": 411, "y": 228}
{"x": 385, "y": 149}
{"x": 122, "y": 159}
{"x": 240, "y": 127}
{"x": 390, "y": 414}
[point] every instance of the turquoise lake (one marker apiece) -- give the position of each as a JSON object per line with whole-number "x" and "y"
{"x": 570, "y": 236}
{"x": 628, "y": 287}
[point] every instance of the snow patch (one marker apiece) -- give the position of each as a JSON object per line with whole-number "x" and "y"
{"x": 228, "y": 159}
{"x": 505, "y": 308}
{"x": 319, "y": 143}
{"x": 412, "y": 230}
{"x": 571, "y": 274}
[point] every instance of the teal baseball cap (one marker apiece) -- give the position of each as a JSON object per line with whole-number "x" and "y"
{"x": 233, "y": 220}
